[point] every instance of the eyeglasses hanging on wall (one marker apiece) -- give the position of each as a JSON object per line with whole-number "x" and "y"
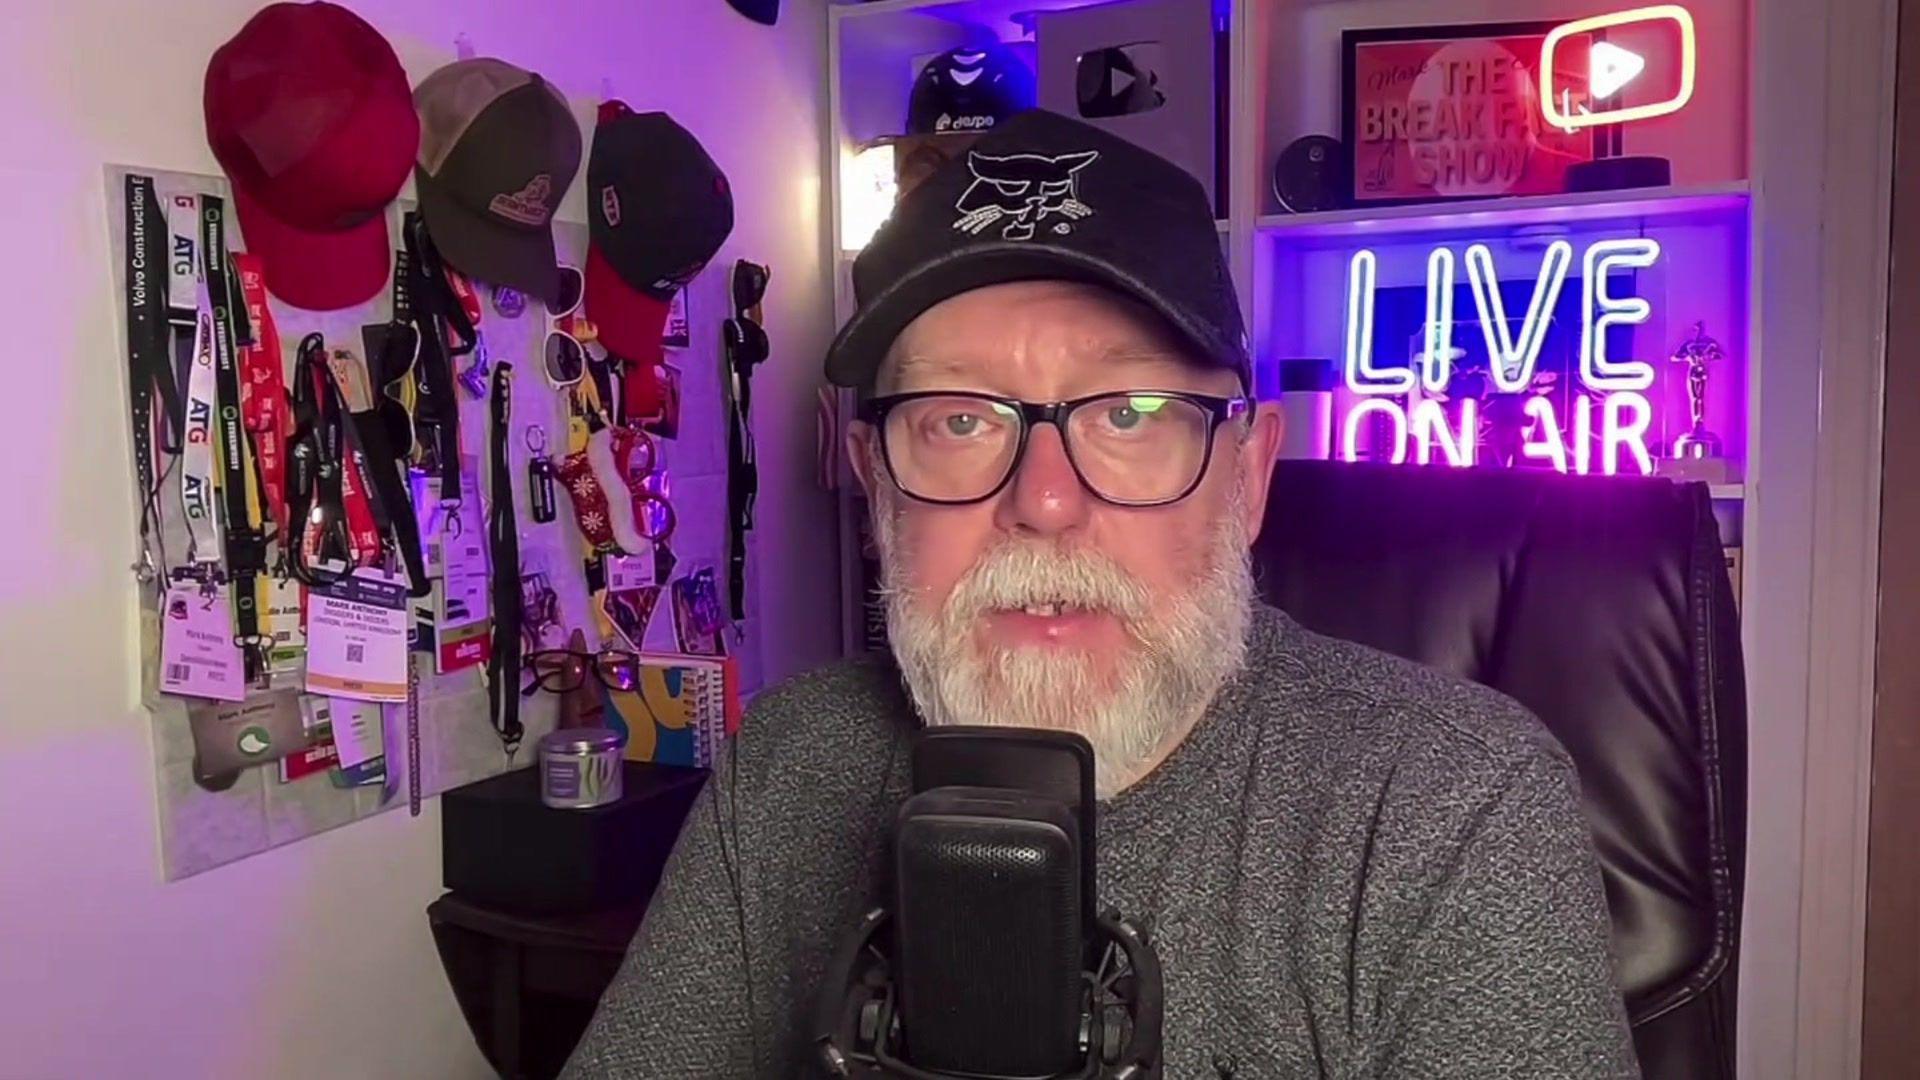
{"x": 561, "y": 671}
{"x": 747, "y": 348}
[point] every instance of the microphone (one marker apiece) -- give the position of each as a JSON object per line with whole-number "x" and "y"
{"x": 993, "y": 961}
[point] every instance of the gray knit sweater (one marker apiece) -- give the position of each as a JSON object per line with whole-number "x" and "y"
{"x": 1355, "y": 867}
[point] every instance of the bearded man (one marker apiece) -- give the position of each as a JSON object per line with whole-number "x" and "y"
{"x": 1354, "y": 867}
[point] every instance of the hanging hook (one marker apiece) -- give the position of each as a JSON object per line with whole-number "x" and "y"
{"x": 462, "y": 46}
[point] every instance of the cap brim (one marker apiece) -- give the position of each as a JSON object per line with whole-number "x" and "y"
{"x": 485, "y": 250}
{"x": 316, "y": 271}
{"x": 854, "y": 359}
{"x": 629, "y": 321}
{"x": 764, "y": 12}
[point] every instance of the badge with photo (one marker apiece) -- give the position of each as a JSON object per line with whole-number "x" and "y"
{"x": 697, "y": 618}
{"x": 677, "y": 333}
{"x": 629, "y": 611}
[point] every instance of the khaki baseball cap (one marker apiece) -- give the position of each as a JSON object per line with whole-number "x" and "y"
{"x": 498, "y": 149}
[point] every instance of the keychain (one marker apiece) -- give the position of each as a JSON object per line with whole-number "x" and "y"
{"x": 540, "y": 476}
{"x": 474, "y": 379}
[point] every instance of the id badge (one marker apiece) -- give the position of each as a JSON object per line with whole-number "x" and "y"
{"x": 357, "y": 638}
{"x": 198, "y": 657}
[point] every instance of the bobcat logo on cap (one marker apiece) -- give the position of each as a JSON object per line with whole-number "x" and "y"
{"x": 610, "y": 206}
{"x": 1024, "y": 190}
{"x": 528, "y": 206}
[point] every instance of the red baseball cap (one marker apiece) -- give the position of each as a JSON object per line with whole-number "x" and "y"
{"x": 630, "y": 320}
{"x": 309, "y": 113}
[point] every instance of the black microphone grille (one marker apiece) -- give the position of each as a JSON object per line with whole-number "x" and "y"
{"x": 989, "y": 933}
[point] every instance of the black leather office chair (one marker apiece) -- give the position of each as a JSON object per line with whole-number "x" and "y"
{"x": 1602, "y": 604}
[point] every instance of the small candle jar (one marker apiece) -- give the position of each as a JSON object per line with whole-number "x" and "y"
{"x": 580, "y": 768}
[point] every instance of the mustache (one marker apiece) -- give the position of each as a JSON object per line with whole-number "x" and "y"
{"x": 1019, "y": 573}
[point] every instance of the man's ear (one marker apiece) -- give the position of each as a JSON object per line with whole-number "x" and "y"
{"x": 860, "y": 454}
{"x": 1257, "y": 454}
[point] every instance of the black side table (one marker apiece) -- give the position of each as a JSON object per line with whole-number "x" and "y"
{"x": 544, "y": 903}
{"x": 528, "y": 984}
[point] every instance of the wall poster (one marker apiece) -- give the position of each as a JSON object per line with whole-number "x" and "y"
{"x": 1453, "y": 112}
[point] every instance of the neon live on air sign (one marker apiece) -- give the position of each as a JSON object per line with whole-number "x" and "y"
{"x": 1417, "y": 413}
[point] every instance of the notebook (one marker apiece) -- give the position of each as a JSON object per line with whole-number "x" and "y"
{"x": 682, "y": 710}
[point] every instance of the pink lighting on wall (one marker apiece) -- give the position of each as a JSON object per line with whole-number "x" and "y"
{"x": 1426, "y": 433}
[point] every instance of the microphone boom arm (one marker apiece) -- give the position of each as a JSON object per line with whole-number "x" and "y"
{"x": 856, "y": 1028}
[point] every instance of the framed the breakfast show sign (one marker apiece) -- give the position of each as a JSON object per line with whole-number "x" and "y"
{"x": 1431, "y": 113}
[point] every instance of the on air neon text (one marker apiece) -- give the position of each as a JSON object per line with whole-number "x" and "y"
{"x": 1422, "y": 430}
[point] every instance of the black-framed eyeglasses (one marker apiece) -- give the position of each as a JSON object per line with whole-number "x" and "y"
{"x": 562, "y": 671}
{"x": 1129, "y": 448}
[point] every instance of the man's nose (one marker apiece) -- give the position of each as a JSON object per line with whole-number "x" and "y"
{"x": 1046, "y": 497}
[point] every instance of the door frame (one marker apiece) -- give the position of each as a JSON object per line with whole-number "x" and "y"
{"x": 1890, "y": 1041}
{"x": 1822, "y": 173}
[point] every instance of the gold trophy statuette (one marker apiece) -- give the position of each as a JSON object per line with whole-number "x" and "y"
{"x": 1699, "y": 454}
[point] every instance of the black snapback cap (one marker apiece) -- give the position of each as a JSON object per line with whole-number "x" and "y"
{"x": 764, "y": 12}
{"x": 969, "y": 89}
{"x": 658, "y": 206}
{"x": 1043, "y": 196}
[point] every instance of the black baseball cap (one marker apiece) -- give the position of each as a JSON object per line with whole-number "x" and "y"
{"x": 764, "y": 12}
{"x": 1044, "y": 196}
{"x": 658, "y": 209}
{"x": 969, "y": 89}
{"x": 498, "y": 149}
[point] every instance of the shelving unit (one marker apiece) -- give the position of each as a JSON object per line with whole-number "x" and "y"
{"x": 1643, "y": 205}
{"x": 1282, "y": 71}
{"x": 1004, "y": 16}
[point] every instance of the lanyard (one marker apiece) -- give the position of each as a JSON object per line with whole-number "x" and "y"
{"x": 315, "y": 464}
{"x": 392, "y": 509}
{"x": 743, "y": 471}
{"x": 183, "y": 290}
{"x": 245, "y": 546}
{"x": 503, "y": 666}
{"x": 197, "y": 487}
{"x": 183, "y": 259}
{"x": 366, "y": 516}
{"x": 428, "y": 301}
{"x": 149, "y": 362}
{"x": 263, "y": 394}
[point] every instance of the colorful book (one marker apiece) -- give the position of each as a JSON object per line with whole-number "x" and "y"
{"x": 681, "y": 711}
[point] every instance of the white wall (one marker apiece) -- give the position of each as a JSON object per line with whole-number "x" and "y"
{"x": 312, "y": 960}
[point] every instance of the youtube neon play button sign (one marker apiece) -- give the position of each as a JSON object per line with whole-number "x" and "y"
{"x": 1636, "y": 65}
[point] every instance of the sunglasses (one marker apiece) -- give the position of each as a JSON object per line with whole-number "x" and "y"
{"x": 395, "y": 349}
{"x": 651, "y": 500}
{"x": 562, "y": 671}
{"x": 749, "y": 288}
{"x": 564, "y": 356}
{"x": 639, "y": 457}
{"x": 745, "y": 338}
{"x": 656, "y": 508}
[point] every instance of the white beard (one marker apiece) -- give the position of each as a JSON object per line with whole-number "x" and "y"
{"x": 1130, "y": 707}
